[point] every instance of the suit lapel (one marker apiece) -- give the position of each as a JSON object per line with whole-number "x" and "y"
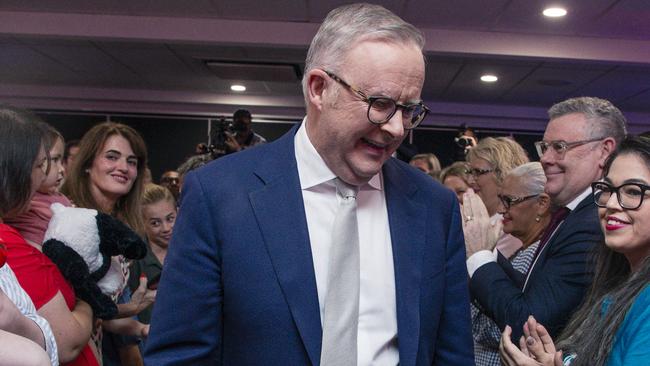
{"x": 280, "y": 214}
{"x": 406, "y": 218}
{"x": 558, "y": 234}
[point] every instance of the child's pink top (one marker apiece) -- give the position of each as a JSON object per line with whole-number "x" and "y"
{"x": 32, "y": 223}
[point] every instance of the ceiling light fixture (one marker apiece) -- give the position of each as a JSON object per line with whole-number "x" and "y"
{"x": 489, "y": 78}
{"x": 554, "y": 12}
{"x": 237, "y": 88}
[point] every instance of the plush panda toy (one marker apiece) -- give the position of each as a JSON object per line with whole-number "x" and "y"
{"x": 83, "y": 243}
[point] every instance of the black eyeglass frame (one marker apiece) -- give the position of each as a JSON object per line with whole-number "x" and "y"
{"x": 477, "y": 172}
{"x": 597, "y": 192}
{"x": 369, "y": 99}
{"x": 508, "y": 201}
{"x": 565, "y": 146}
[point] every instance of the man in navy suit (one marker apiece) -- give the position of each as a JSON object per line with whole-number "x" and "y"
{"x": 246, "y": 278}
{"x": 579, "y": 137}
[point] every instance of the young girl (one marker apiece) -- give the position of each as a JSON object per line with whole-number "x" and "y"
{"x": 159, "y": 214}
{"x": 32, "y": 224}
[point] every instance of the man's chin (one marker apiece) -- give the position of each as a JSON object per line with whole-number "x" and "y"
{"x": 361, "y": 175}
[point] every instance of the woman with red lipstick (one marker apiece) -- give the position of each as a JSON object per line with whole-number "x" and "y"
{"x": 612, "y": 327}
{"x": 526, "y": 214}
{"x": 107, "y": 175}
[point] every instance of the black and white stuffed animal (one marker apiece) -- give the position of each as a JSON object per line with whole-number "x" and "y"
{"x": 83, "y": 243}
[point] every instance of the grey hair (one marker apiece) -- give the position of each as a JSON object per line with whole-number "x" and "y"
{"x": 531, "y": 177}
{"x": 605, "y": 119}
{"x": 348, "y": 24}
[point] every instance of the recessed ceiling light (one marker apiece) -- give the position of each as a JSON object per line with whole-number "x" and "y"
{"x": 554, "y": 12}
{"x": 489, "y": 78}
{"x": 238, "y": 88}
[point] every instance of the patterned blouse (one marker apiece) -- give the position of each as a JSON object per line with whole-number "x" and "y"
{"x": 485, "y": 331}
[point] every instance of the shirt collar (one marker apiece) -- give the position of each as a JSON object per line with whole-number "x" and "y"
{"x": 312, "y": 169}
{"x": 150, "y": 259}
{"x": 573, "y": 204}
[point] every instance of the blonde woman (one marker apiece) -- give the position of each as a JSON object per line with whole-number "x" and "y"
{"x": 490, "y": 161}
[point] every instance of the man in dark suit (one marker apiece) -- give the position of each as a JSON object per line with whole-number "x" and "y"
{"x": 579, "y": 137}
{"x": 263, "y": 270}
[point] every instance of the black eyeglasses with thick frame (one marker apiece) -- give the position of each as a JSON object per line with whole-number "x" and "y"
{"x": 560, "y": 147}
{"x": 629, "y": 195}
{"x": 509, "y": 201}
{"x": 412, "y": 114}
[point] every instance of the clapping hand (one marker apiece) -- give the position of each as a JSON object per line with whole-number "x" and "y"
{"x": 479, "y": 233}
{"x": 536, "y": 347}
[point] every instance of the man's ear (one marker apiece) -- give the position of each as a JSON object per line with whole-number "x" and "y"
{"x": 316, "y": 85}
{"x": 607, "y": 148}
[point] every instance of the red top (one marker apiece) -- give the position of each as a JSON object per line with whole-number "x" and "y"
{"x": 41, "y": 279}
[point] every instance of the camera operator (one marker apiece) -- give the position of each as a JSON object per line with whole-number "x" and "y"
{"x": 242, "y": 136}
{"x": 465, "y": 140}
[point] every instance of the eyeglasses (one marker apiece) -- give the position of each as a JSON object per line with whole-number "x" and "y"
{"x": 477, "y": 172}
{"x": 509, "y": 201}
{"x": 629, "y": 195}
{"x": 560, "y": 147}
{"x": 382, "y": 109}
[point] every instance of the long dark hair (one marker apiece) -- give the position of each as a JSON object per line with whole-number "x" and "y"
{"x": 589, "y": 333}
{"x": 77, "y": 183}
{"x": 21, "y": 139}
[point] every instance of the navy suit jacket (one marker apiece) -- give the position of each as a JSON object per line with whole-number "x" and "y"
{"x": 238, "y": 284}
{"x": 557, "y": 282}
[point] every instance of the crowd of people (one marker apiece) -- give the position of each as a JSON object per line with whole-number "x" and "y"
{"x": 322, "y": 248}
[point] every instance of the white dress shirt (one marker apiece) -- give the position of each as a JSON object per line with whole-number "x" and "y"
{"x": 377, "y": 334}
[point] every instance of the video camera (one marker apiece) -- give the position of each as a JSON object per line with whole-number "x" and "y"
{"x": 219, "y": 131}
{"x": 465, "y": 140}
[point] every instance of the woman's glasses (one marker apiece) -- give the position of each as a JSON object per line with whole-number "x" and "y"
{"x": 629, "y": 195}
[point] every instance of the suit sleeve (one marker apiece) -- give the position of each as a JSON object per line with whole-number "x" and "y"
{"x": 454, "y": 345}
{"x": 553, "y": 292}
{"x": 186, "y": 326}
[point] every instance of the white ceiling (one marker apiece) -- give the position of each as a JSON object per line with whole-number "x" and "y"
{"x": 151, "y": 55}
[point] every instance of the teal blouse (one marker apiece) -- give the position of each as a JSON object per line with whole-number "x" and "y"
{"x": 632, "y": 341}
